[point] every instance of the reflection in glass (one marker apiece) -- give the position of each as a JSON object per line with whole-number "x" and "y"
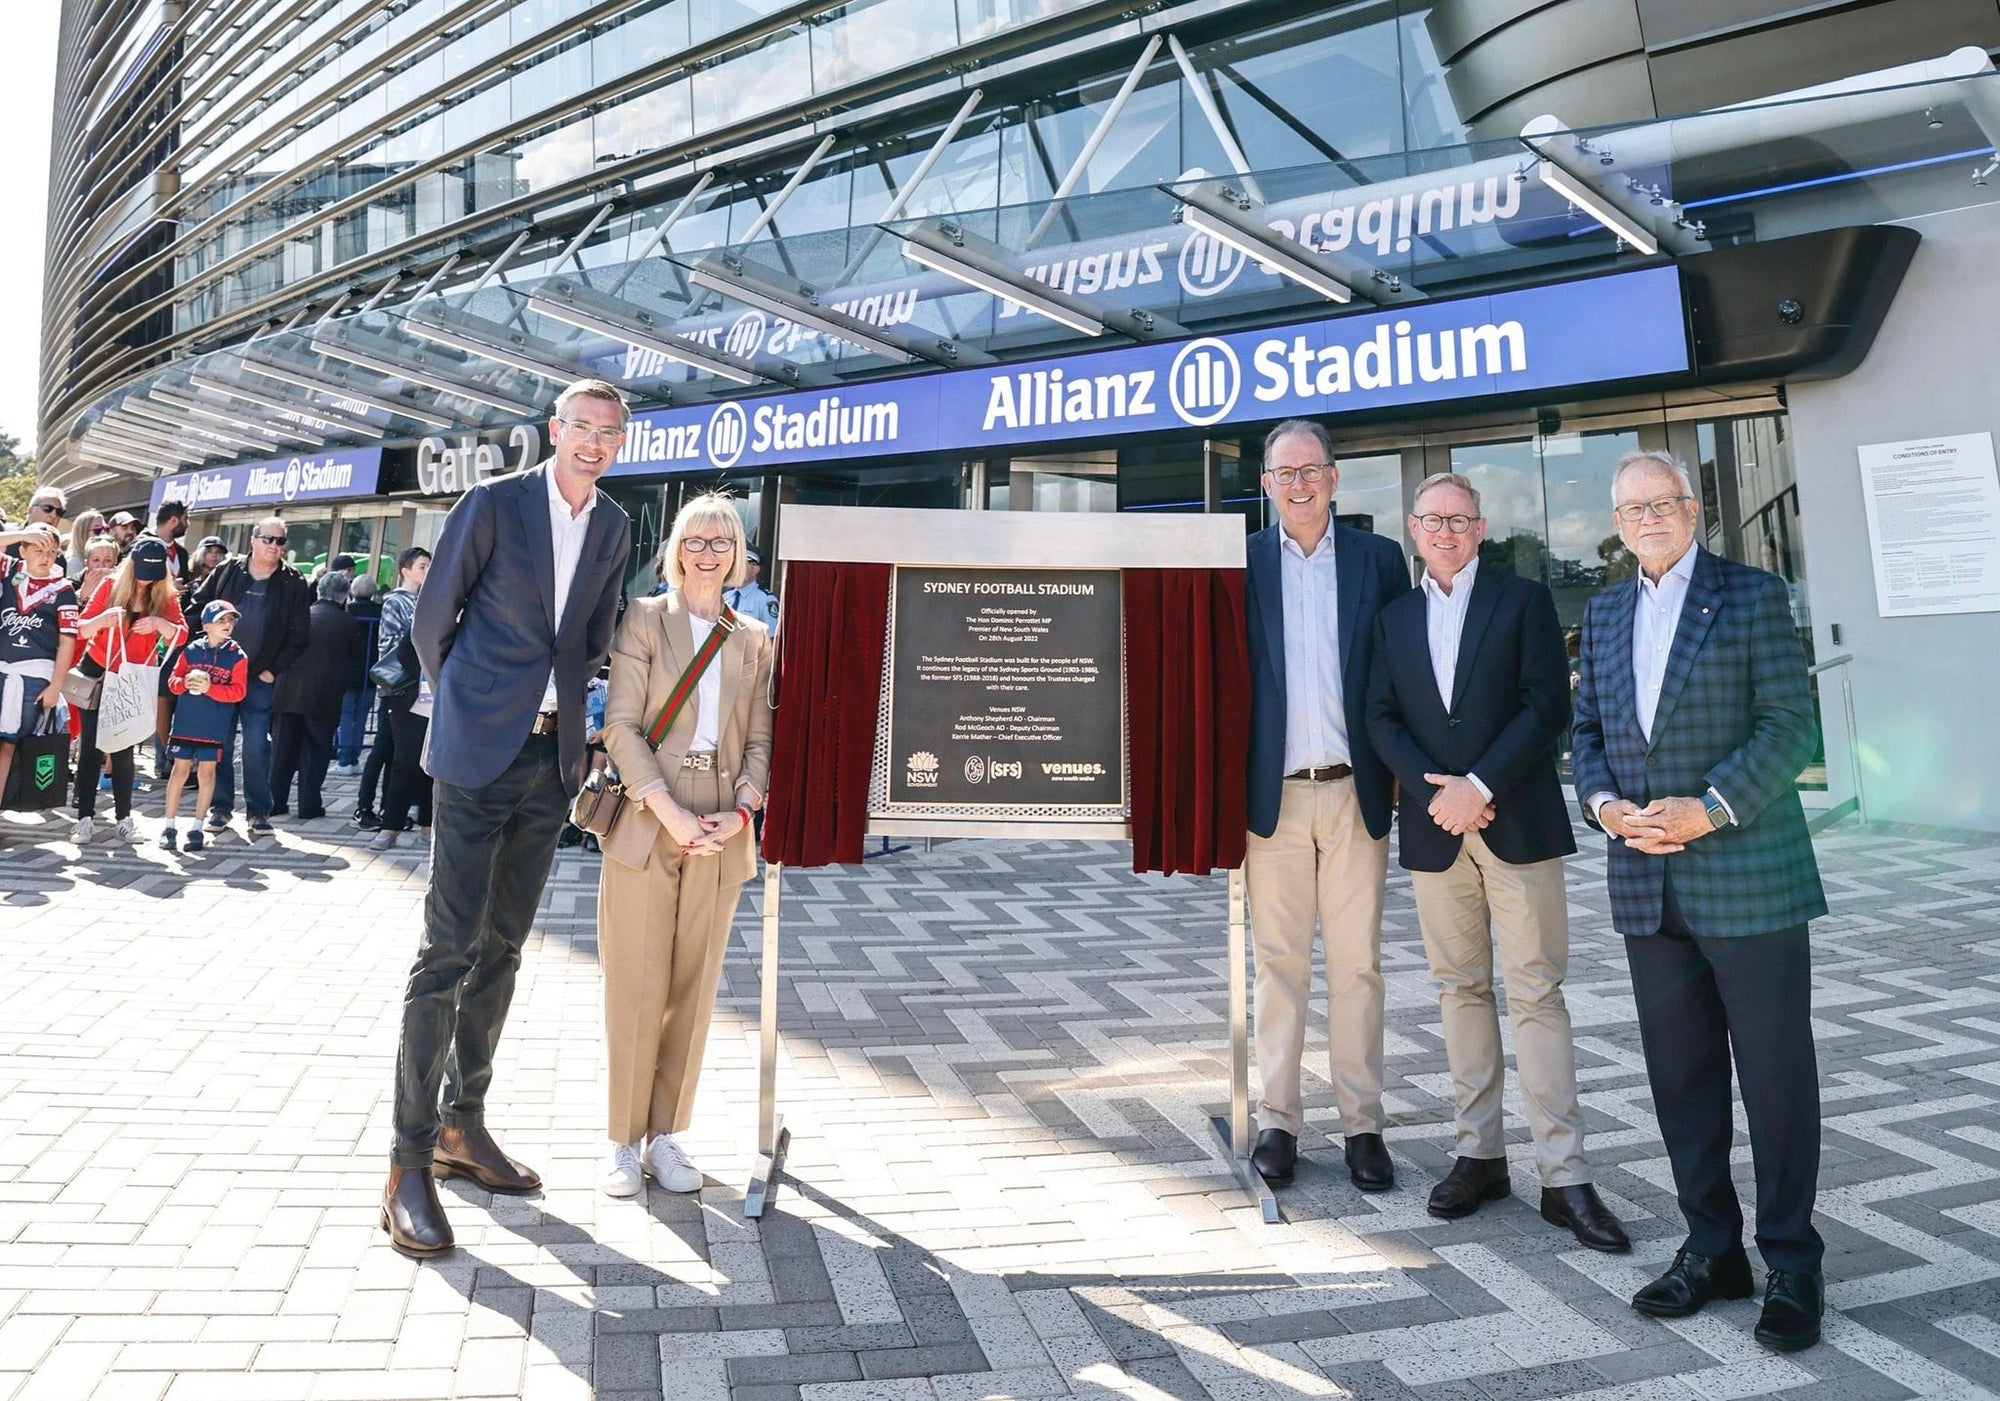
{"x": 1585, "y": 553}
{"x": 1369, "y": 495}
{"x": 1509, "y": 478}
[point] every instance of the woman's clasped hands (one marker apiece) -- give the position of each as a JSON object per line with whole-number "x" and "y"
{"x": 698, "y": 836}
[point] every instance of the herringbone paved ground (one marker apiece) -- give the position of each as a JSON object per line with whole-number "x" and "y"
{"x": 999, "y": 1061}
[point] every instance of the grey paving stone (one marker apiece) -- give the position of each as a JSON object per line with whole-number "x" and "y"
{"x": 922, "y": 1361}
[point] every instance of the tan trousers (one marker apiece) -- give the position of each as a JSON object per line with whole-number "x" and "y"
{"x": 1529, "y": 926}
{"x": 661, "y": 936}
{"x": 1319, "y": 864}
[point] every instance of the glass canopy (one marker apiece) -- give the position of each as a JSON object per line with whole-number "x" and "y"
{"x": 1209, "y": 252}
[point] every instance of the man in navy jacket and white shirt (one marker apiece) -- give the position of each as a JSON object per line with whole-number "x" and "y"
{"x": 1319, "y": 801}
{"x": 1467, "y": 700}
{"x": 515, "y": 617}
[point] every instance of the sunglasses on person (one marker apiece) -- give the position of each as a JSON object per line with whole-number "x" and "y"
{"x": 274, "y": 539}
{"x": 53, "y": 510}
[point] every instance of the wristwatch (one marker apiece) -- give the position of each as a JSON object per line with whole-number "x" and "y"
{"x": 1718, "y": 811}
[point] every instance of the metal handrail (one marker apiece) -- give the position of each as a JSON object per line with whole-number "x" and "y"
{"x": 1846, "y": 659}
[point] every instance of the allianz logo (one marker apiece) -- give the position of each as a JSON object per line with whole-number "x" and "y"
{"x": 299, "y": 475}
{"x": 202, "y": 488}
{"x": 783, "y": 426}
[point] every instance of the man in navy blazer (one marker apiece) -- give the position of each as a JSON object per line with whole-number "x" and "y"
{"x": 1319, "y": 801}
{"x": 1694, "y": 717}
{"x": 1467, "y": 699}
{"x": 514, "y": 619}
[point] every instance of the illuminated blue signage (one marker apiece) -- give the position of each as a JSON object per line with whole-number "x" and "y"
{"x": 1625, "y": 326}
{"x": 277, "y": 482}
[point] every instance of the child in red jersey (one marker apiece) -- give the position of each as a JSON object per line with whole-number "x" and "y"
{"x": 211, "y": 676}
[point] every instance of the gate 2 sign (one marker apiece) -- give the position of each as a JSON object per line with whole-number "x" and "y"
{"x": 1006, "y": 688}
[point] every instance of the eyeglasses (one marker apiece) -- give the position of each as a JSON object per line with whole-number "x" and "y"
{"x": 609, "y": 437}
{"x": 1632, "y": 512}
{"x": 1311, "y": 474}
{"x": 1457, "y": 525}
{"x": 697, "y": 545}
{"x": 274, "y": 539}
{"x": 53, "y": 510}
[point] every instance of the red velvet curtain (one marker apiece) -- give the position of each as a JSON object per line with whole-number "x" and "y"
{"x": 829, "y": 693}
{"x": 1187, "y": 689}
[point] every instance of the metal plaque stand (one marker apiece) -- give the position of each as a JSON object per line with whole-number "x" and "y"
{"x": 773, "y": 1138}
{"x": 1233, "y": 1133}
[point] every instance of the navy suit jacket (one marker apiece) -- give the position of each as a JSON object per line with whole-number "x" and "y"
{"x": 1735, "y": 714}
{"x": 485, "y": 627}
{"x": 1509, "y": 704}
{"x": 1370, "y": 571}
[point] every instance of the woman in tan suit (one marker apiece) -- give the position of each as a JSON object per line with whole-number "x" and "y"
{"x": 674, "y": 867}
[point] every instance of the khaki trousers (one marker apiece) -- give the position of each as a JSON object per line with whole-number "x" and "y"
{"x": 1467, "y": 912}
{"x": 661, "y": 936}
{"x": 1320, "y": 864}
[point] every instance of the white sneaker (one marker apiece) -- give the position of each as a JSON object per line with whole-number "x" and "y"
{"x": 670, "y": 1166}
{"x": 80, "y": 830}
{"x": 622, "y": 1173}
{"x": 127, "y": 829}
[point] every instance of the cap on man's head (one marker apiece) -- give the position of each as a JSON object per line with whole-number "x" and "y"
{"x": 341, "y": 564}
{"x": 752, "y": 555}
{"x": 210, "y": 542}
{"x": 123, "y": 518}
{"x": 216, "y": 610}
{"x": 149, "y": 560}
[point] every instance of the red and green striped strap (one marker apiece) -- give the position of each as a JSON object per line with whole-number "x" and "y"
{"x": 717, "y": 635}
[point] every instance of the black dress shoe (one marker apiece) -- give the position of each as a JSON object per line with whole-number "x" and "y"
{"x": 412, "y": 1214}
{"x": 1692, "y": 1281}
{"x": 1580, "y": 1211}
{"x": 1368, "y": 1162}
{"x": 471, "y": 1152}
{"x": 1471, "y": 1183}
{"x": 1793, "y": 1303}
{"x": 1275, "y": 1156}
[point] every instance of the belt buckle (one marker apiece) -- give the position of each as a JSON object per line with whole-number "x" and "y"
{"x": 700, "y": 762}
{"x": 545, "y": 723}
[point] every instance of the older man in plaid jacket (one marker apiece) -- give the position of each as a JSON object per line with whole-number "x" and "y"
{"x": 1693, "y": 719}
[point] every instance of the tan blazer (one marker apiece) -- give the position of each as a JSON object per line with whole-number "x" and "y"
{"x": 653, "y": 647}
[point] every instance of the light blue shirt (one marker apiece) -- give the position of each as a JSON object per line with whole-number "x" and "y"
{"x": 1315, "y": 711}
{"x": 1656, "y": 619}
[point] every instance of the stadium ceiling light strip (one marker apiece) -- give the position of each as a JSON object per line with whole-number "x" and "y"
{"x": 340, "y": 348}
{"x": 334, "y": 389}
{"x": 556, "y": 301}
{"x": 248, "y": 395}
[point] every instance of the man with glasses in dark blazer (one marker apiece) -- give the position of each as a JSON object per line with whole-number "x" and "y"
{"x": 1694, "y": 717}
{"x": 514, "y": 619}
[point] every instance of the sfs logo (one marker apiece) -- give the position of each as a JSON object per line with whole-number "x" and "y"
{"x": 975, "y": 770}
{"x": 920, "y": 770}
{"x": 979, "y": 769}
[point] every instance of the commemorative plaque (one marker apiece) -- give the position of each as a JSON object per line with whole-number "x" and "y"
{"x": 1006, "y": 689}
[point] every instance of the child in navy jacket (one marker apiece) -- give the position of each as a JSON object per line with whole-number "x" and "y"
{"x": 211, "y": 676}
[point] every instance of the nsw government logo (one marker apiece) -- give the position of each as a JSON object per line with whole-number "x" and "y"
{"x": 728, "y": 435}
{"x": 975, "y": 770}
{"x": 1208, "y": 265}
{"x": 1204, "y": 382}
{"x": 920, "y": 770}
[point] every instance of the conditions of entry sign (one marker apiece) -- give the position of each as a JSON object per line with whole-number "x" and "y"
{"x": 1006, "y": 688}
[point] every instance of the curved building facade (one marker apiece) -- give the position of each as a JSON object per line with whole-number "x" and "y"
{"x": 334, "y": 258}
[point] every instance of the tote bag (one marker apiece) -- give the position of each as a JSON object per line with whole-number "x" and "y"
{"x": 39, "y": 780}
{"x": 126, "y": 711}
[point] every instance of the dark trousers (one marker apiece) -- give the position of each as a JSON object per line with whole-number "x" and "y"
{"x": 90, "y": 763}
{"x": 251, "y": 716}
{"x": 301, "y": 745}
{"x": 490, "y": 854}
{"x": 408, "y": 784}
{"x": 378, "y": 759}
{"x": 1699, "y": 999}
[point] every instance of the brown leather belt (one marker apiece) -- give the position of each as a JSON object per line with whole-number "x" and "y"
{"x": 701, "y": 761}
{"x": 545, "y": 723}
{"x": 1326, "y": 773}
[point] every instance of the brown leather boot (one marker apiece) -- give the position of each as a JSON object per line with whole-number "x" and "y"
{"x": 471, "y": 1152}
{"x": 412, "y": 1214}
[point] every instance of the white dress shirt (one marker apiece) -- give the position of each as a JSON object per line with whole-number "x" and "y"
{"x": 566, "y": 534}
{"x": 1315, "y": 711}
{"x": 707, "y": 692}
{"x": 1654, "y": 623}
{"x": 1444, "y": 617}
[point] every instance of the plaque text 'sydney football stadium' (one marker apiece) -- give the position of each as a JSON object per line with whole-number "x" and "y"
{"x": 1007, "y": 688}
